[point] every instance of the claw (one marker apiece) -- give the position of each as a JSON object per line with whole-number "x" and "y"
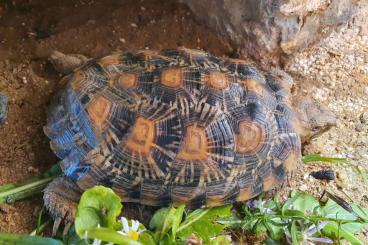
{"x": 66, "y": 228}
{"x": 56, "y": 226}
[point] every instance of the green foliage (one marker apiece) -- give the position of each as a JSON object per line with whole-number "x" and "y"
{"x": 27, "y": 240}
{"x": 97, "y": 206}
{"x": 301, "y": 217}
{"x": 170, "y": 227}
{"x": 319, "y": 158}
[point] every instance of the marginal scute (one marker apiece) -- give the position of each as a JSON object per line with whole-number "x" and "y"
{"x": 98, "y": 111}
{"x": 245, "y": 194}
{"x": 78, "y": 80}
{"x": 195, "y": 145}
{"x": 291, "y": 162}
{"x": 269, "y": 182}
{"x": 172, "y": 77}
{"x": 250, "y": 138}
{"x": 109, "y": 60}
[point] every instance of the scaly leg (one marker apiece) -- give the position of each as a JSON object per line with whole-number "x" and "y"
{"x": 61, "y": 199}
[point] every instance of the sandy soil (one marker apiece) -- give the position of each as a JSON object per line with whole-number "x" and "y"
{"x": 31, "y": 29}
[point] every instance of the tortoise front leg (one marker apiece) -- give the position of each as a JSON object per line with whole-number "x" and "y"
{"x": 61, "y": 199}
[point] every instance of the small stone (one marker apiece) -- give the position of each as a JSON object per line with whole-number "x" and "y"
{"x": 341, "y": 179}
{"x": 363, "y": 117}
{"x": 3, "y": 108}
{"x": 303, "y": 187}
{"x": 24, "y": 80}
{"x": 133, "y": 25}
{"x": 122, "y": 40}
{"x": 359, "y": 128}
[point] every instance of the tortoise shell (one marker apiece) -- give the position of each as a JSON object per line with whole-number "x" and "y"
{"x": 174, "y": 126}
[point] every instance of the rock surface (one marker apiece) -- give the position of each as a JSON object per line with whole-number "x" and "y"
{"x": 273, "y": 26}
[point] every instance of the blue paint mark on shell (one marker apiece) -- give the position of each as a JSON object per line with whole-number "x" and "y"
{"x": 71, "y": 134}
{"x": 3, "y": 108}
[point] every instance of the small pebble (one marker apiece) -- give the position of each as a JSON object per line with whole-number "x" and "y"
{"x": 324, "y": 174}
{"x": 134, "y": 25}
{"x": 3, "y": 108}
{"x": 341, "y": 179}
{"x": 303, "y": 187}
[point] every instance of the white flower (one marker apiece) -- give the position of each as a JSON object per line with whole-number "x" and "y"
{"x": 131, "y": 231}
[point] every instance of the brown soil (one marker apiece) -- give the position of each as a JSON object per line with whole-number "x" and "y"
{"x": 29, "y": 30}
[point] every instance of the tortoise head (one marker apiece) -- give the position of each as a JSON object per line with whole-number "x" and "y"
{"x": 314, "y": 119}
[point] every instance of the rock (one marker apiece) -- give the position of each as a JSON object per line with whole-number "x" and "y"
{"x": 273, "y": 27}
{"x": 3, "y": 108}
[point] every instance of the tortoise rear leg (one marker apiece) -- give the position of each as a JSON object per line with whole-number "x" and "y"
{"x": 67, "y": 63}
{"x": 61, "y": 199}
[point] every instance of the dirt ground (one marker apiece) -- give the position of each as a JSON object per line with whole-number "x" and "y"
{"x": 31, "y": 29}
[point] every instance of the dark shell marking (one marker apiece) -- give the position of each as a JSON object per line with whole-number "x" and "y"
{"x": 174, "y": 126}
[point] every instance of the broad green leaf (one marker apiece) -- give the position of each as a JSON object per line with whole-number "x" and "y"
{"x": 27, "y": 240}
{"x": 332, "y": 230}
{"x": 333, "y": 210}
{"x": 203, "y": 223}
{"x": 301, "y": 202}
{"x": 98, "y": 206}
{"x": 319, "y": 158}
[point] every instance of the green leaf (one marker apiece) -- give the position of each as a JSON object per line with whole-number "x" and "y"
{"x": 220, "y": 240}
{"x": 332, "y": 230}
{"x": 146, "y": 238}
{"x": 168, "y": 222}
{"x": 203, "y": 223}
{"x": 98, "y": 206}
{"x": 301, "y": 202}
{"x": 27, "y": 240}
{"x": 333, "y": 210}
{"x": 274, "y": 227}
{"x": 177, "y": 218}
{"x": 158, "y": 218}
{"x": 294, "y": 238}
{"x": 110, "y": 235}
{"x": 319, "y": 158}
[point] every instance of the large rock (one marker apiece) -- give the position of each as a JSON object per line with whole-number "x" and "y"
{"x": 273, "y": 26}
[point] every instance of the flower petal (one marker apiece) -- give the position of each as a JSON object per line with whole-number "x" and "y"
{"x": 96, "y": 242}
{"x": 126, "y": 228}
{"x": 135, "y": 225}
{"x": 320, "y": 239}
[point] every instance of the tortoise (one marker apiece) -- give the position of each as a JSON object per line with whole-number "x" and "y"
{"x": 175, "y": 126}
